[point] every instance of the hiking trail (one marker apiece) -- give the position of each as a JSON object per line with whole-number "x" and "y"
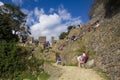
{"x": 77, "y": 73}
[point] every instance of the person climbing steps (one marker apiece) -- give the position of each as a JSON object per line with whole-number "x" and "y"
{"x": 58, "y": 60}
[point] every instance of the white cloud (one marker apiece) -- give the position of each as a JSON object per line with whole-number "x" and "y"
{"x": 49, "y": 20}
{"x": 74, "y": 21}
{"x": 36, "y": 0}
{"x": 30, "y": 19}
{"x": 51, "y": 10}
{"x": 25, "y": 11}
{"x": 33, "y": 16}
{"x": 63, "y": 13}
{"x": 18, "y": 2}
{"x": 52, "y": 24}
{"x": 48, "y": 25}
{"x": 38, "y": 12}
{"x": 1, "y": 3}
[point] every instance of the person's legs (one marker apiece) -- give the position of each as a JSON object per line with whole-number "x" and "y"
{"x": 81, "y": 64}
{"x": 78, "y": 63}
{"x": 59, "y": 62}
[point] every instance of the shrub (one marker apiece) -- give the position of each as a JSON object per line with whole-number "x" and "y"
{"x": 10, "y": 61}
{"x": 63, "y": 35}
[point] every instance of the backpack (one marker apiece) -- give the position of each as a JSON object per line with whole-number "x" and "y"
{"x": 86, "y": 59}
{"x": 83, "y": 58}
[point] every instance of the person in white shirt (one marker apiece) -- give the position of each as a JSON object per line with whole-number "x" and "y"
{"x": 79, "y": 59}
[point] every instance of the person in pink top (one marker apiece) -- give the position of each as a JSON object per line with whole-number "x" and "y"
{"x": 82, "y": 59}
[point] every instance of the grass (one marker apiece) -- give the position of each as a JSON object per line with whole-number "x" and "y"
{"x": 26, "y": 75}
{"x": 92, "y": 54}
{"x": 50, "y": 61}
{"x": 43, "y": 76}
{"x": 103, "y": 75}
{"x": 71, "y": 65}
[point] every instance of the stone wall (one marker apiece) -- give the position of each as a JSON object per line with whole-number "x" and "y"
{"x": 106, "y": 43}
{"x": 30, "y": 40}
{"x": 53, "y": 40}
{"x": 42, "y": 39}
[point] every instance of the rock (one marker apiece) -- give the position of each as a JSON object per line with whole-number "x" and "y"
{"x": 90, "y": 63}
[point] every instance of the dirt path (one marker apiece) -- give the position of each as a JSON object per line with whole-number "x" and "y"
{"x": 76, "y": 73}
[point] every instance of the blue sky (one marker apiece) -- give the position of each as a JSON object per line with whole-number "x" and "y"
{"x": 51, "y": 17}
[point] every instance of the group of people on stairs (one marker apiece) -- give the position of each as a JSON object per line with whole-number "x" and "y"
{"x": 59, "y": 60}
{"x": 85, "y": 29}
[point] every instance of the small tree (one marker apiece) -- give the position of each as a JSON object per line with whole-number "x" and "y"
{"x": 12, "y": 56}
{"x": 63, "y": 35}
{"x": 69, "y": 28}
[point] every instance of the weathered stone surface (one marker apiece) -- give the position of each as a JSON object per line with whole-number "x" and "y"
{"x": 90, "y": 63}
{"x": 106, "y": 43}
